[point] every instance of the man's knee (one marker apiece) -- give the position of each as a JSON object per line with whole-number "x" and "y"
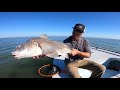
{"x": 98, "y": 71}
{"x": 100, "y": 68}
{"x": 103, "y": 69}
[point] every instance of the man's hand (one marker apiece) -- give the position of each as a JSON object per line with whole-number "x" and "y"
{"x": 37, "y": 57}
{"x": 74, "y": 52}
{"x": 79, "y": 53}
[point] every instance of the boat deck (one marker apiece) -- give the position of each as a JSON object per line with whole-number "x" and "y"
{"x": 98, "y": 55}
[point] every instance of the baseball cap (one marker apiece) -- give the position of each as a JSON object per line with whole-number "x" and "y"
{"x": 79, "y": 27}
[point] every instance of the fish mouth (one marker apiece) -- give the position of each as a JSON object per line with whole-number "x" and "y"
{"x": 15, "y": 55}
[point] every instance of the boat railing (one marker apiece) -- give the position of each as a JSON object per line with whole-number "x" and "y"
{"x": 113, "y": 52}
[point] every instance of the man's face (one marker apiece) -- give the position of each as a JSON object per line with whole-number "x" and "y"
{"x": 76, "y": 35}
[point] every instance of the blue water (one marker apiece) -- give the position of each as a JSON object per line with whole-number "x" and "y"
{"x": 108, "y": 44}
{"x": 7, "y": 45}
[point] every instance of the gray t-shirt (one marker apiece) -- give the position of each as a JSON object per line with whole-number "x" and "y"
{"x": 82, "y": 45}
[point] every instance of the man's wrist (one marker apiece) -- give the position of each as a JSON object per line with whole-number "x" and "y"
{"x": 79, "y": 53}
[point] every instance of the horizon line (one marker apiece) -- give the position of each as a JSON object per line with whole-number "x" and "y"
{"x": 61, "y": 36}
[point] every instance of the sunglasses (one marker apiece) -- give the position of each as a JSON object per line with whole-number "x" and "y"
{"x": 79, "y": 31}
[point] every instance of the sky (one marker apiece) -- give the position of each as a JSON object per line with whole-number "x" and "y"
{"x": 25, "y": 24}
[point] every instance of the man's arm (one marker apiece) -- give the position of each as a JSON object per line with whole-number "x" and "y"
{"x": 79, "y": 53}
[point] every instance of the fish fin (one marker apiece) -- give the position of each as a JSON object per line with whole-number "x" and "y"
{"x": 52, "y": 55}
{"x": 44, "y": 36}
{"x": 63, "y": 52}
{"x": 67, "y": 56}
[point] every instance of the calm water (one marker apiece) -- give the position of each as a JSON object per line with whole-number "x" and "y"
{"x": 108, "y": 44}
{"x": 7, "y": 45}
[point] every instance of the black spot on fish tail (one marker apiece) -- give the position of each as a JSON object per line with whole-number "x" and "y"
{"x": 59, "y": 55}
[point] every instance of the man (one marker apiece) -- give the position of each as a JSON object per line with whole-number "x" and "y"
{"x": 81, "y": 49}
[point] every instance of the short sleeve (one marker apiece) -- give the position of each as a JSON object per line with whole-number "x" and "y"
{"x": 87, "y": 47}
